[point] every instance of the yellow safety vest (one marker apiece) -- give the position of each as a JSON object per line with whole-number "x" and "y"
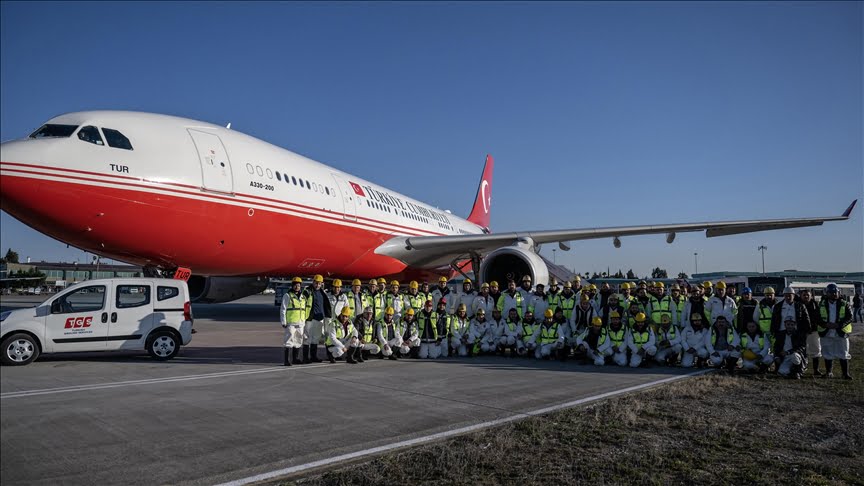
{"x": 659, "y": 308}
{"x": 549, "y": 335}
{"x": 296, "y": 313}
{"x": 730, "y": 335}
{"x": 566, "y": 304}
{"x": 617, "y": 337}
{"x": 517, "y": 297}
{"x": 527, "y": 330}
{"x": 765, "y": 318}
{"x": 640, "y": 338}
{"x": 416, "y": 302}
{"x": 422, "y": 322}
{"x": 745, "y": 338}
{"x": 378, "y": 305}
{"x": 668, "y": 334}
{"x": 369, "y": 332}
{"x": 841, "y": 315}
{"x": 340, "y": 332}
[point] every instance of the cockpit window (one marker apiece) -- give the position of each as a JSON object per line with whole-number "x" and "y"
{"x": 52, "y": 130}
{"x": 116, "y": 139}
{"x": 90, "y": 134}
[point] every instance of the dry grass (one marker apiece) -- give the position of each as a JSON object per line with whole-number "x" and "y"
{"x": 713, "y": 429}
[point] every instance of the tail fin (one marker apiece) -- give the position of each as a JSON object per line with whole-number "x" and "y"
{"x": 481, "y": 211}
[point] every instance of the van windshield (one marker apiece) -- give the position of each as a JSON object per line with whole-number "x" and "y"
{"x": 51, "y": 130}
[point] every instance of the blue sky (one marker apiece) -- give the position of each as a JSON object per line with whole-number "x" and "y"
{"x": 598, "y": 114}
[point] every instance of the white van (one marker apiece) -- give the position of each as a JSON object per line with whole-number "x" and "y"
{"x": 102, "y": 315}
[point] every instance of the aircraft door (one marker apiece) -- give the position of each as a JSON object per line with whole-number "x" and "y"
{"x": 349, "y": 198}
{"x": 215, "y": 167}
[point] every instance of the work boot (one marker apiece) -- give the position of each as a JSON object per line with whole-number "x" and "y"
{"x": 816, "y": 371}
{"x": 306, "y": 353}
{"x": 330, "y": 357}
{"x": 313, "y": 353}
{"x": 295, "y": 355}
{"x": 392, "y": 357}
{"x": 844, "y": 365}
{"x": 829, "y": 368}
{"x": 349, "y": 356}
{"x": 415, "y": 352}
{"x": 358, "y": 355}
{"x": 513, "y": 351}
{"x": 731, "y": 364}
{"x": 287, "y": 357}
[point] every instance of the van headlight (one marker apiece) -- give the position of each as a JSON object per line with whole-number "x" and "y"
{"x": 4, "y": 315}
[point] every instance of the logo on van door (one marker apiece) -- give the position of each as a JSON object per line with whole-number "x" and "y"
{"x": 78, "y": 322}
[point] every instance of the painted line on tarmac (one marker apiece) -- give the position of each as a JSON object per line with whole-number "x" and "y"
{"x": 450, "y": 433}
{"x": 153, "y": 381}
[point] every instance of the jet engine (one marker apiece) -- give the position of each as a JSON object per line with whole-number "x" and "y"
{"x": 514, "y": 262}
{"x": 212, "y": 290}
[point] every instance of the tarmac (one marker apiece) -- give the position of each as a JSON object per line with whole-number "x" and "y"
{"x": 225, "y": 410}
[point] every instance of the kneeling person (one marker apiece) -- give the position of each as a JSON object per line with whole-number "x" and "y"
{"x": 548, "y": 338}
{"x": 641, "y": 341}
{"x": 595, "y": 342}
{"x": 723, "y": 345}
{"x": 342, "y": 338}
{"x": 668, "y": 341}
{"x": 756, "y": 349}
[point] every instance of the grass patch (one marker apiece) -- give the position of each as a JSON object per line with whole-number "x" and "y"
{"x": 713, "y": 429}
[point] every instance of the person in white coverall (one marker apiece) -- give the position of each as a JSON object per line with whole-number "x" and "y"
{"x": 641, "y": 341}
{"x": 668, "y": 341}
{"x": 460, "y": 327}
{"x": 477, "y": 334}
{"x": 427, "y": 323}
{"x": 617, "y": 339}
{"x": 723, "y": 344}
{"x": 341, "y": 338}
{"x": 482, "y": 301}
{"x": 526, "y": 332}
{"x": 755, "y": 349}
{"x": 594, "y": 342}
{"x": 721, "y": 304}
{"x": 493, "y": 332}
{"x": 366, "y": 333}
{"x": 548, "y": 337}
{"x": 466, "y": 298}
{"x": 442, "y": 323}
{"x": 693, "y": 342}
{"x": 292, "y": 314}
{"x": 338, "y": 300}
{"x": 390, "y": 333}
{"x": 510, "y": 333}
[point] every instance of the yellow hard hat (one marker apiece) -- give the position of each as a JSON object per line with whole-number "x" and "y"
{"x": 413, "y": 285}
{"x": 493, "y": 283}
{"x": 410, "y": 311}
{"x": 592, "y": 287}
{"x": 625, "y": 285}
{"x": 467, "y": 281}
{"x": 749, "y": 355}
{"x": 676, "y": 287}
{"x": 640, "y": 317}
{"x": 721, "y": 285}
{"x": 768, "y": 290}
{"x": 346, "y": 311}
{"x": 461, "y": 307}
{"x": 318, "y": 278}
{"x": 297, "y": 280}
{"x": 585, "y": 297}
{"x": 597, "y": 321}
{"x": 442, "y": 280}
{"x": 706, "y": 284}
{"x": 484, "y": 285}
{"x": 568, "y": 285}
{"x": 614, "y": 314}
{"x": 337, "y": 283}
{"x": 389, "y": 311}
{"x": 577, "y": 278}
{"x": 394, "y": 282}
{"x": 661, "y": 285}
{"x": 356, "y": 281}
{"x": 548, "y": 313}
{"x": 481, "y": 311}
{"x": 382, "y": 281}
{"x": 373, "y": 282}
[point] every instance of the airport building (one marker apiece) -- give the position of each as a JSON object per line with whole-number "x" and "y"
{"x": 62, "y": 274}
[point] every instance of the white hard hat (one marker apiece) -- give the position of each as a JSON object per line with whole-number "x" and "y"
{"x": 789, "y": 290}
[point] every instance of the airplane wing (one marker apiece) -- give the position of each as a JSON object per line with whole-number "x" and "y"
{"x": 431, "y": 251}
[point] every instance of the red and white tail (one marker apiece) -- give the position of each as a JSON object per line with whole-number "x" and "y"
{"x": 481, "y": 211}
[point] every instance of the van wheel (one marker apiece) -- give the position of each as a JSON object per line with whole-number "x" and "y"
{"x": 19, "y": 349}
{"x": 163, "y": 345}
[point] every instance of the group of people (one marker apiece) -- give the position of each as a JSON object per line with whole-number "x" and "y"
{"x": 699, "y": 325}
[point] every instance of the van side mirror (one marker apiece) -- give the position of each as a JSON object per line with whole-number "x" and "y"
{"x": 55, "y": 307}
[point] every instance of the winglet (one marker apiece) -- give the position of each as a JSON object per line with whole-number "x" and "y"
{"x": 849, "y": 209}
{"x": 480, "y": 213}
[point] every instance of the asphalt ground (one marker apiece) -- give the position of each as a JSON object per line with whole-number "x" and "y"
{"x": 224, "y": 409}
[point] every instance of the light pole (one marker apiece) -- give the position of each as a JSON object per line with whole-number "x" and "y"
{"x": 762, "y": 248}
{"x": 696, "y": 262}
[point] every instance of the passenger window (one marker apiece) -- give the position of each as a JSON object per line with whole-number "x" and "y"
{"x": 116, "y": 139}
{"x": 87, "y": 299}
{"x": 165, "y": 293}
{"x": 90, "y": 134}
{"x": 132, "y": 296}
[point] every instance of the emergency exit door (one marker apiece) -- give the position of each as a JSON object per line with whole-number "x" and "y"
{"x": 215, "y": 167}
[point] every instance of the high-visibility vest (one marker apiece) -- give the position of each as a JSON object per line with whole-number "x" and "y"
{"x": 625, "y": 301}
{"x": 660, "y": 308}
{"x": 340, "y": 332}
{"x": 364, "y": 302}
{"x": 841, "y": 315}
{"x": 667, "y": 334}
{"x": 527, "y": 331}
{"x": 442, "y": 329}
{"x": 511, "y": 325}
{"x": 391, "y": 297}
{"x": 765, "y": 318}
{"x": 459, "y": 325}
{"x": 416, "y": 302}
{"x": 640, "y": 338}
{"x": 745, "y": 339}
{"x": 549, "y": 335}
{"x": 378, "y": 305}
{"x": 601, "y": 339}
{"x": 423, "y": 322}
{"x": 296, "y": 313}
{"x": 517, "y": 297}
{"x": 369, "y": 332}
{"x": 397, "y": 329}
{"x": 617, "y": 337}
{"x": 566, "y": 304}
{"x": 730, "y": 335}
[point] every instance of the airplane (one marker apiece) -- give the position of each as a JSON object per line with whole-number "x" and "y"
{"x": 171, "y": 193}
